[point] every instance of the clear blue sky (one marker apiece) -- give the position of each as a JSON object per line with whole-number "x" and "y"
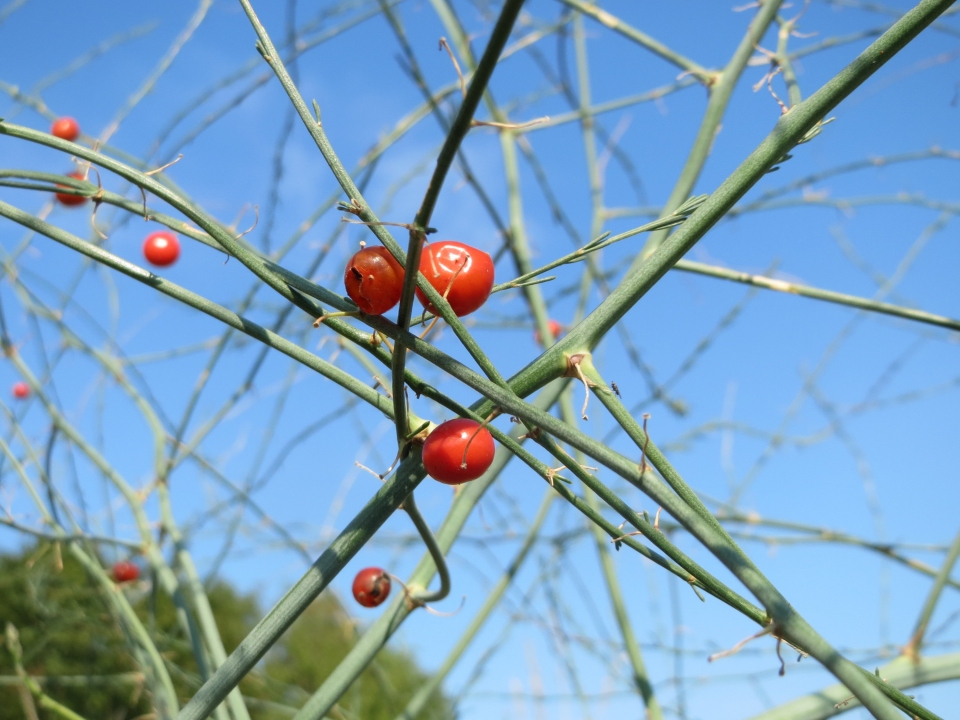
{"x": 873, "y": 451}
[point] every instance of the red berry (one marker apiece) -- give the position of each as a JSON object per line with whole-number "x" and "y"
{"x": 374, "y": 280}
{"x": 65, "y": 128}
{"x": 71, "y": 200}
{"x": 21, "y": 391}
{"x": 161, "y": 248}
{"x": 125, "y": 571}
{"x": 371, "y": 586}
{"x": 556, "y": 329}
{"x": 463, "y": 273}
{"x": 458, "y": 451}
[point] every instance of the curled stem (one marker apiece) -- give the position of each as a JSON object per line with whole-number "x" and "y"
{"x": 423, "y": 596}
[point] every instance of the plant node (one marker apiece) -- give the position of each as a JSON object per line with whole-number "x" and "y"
{"x": 574, "y": 370}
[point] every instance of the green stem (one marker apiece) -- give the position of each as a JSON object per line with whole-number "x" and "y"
{"x": 159, "y": 679}
{"x": 901, "y": 673}
{"x": 628, "y": 31}
{"x": 164, "y": 694}
{"x": 458, "y": 131}
{"x": 649, "y": 449}
{"x": 605, "y": 107}
{"x": 44, "y": 700}
{"x": 641, "y": 679}
{"x": 817, "y": 294}
{"x": 912, "y": 649}
{"x": 421, "y": 595}
{"x": 783, "y": 60}
{"x": 305, "y": 591}
{"x": 194, "y": 587}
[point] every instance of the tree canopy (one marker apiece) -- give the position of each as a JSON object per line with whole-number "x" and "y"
{"x": 82, "y": 658}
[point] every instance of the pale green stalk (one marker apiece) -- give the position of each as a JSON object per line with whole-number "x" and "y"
{"x": 609, "y": 106}
{"x": 426, "y": 691}
{"x": 421, "y": 595}
{"x": 817, "y": 294}
{"x": 159, "y": 678}
{"x": 360, "y": 207}
{"x": 902, "y": 673}
{"x": 44, "y": 700}
{"x": 166, "y": 698}
{"x": 641, "y": 679}
{"x": 641, "y": 38}
{"x": 912, "y": 648}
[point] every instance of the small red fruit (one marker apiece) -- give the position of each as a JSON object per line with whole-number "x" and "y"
{"x": 161, "y": 248}
{"x": 65, "y": 128}
{"x": 371, "y": 586}
{"x": 21, "y": 391}
{"x": 71, "y": 200}
{"x": 463, "y": 273}
{"x": 458, "y": 451}
{"x": 374, "y": 280}
{"x": 125, "y": 571}
{"x": 556, "y": 329}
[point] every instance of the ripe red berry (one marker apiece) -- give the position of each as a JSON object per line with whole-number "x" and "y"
{"x": 374, "y": 280}
{"x": 458, "y": 451}
{"x": 371, "y": 586}
{"x": 65, "y": 128}
{"x": 463, "y": 273}
{"x": 71, "y": 200}
{"x": 21, "y": 391}
{"x": 556, "y": 329}
{"x": 161, "y": 248}
{"x": 125, "y": 571}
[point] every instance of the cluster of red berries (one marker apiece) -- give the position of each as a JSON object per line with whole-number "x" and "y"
{"x": 458, "y": 450}
{"x": 66, "y": 128}
{"x": 462, "y": 274}
{"x": 160, "y": 248}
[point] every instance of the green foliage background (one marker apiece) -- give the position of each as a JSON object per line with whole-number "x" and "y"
{"x": 67, "y": 630}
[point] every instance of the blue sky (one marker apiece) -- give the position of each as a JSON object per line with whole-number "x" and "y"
{"x": 887, "y": 471}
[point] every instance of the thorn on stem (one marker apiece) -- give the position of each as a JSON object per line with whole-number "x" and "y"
{"x": 617, "y": 540}
{"x": 740, "y": 645}
{"x": 510, "y": 126}
{"x": 574, "y": 370}
{"x": 456, "y": 66}
{"x": 164, "y": 167}
{"x": 643, "y": 451}
{"x": 256, "y": 221}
